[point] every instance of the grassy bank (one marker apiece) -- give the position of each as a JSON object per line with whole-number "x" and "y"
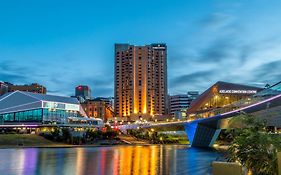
{"x": 154, "y": 137}
{"x": 26, "y": 140}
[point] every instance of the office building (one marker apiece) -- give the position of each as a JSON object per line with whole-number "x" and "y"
{"x": 83, "y": 93}
{"x": 140, "y": 80}
{"x": 178, "y": 104}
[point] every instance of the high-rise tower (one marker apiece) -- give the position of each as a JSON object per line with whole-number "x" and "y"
{"x": 83, "y": 93}
{"x": 140, "y": 80}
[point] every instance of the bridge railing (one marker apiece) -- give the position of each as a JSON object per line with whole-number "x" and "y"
{"x": 231, "y": 107}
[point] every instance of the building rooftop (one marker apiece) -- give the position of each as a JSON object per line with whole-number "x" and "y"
{"x": 20, "y": 100}
{"x": 45, "y": 97}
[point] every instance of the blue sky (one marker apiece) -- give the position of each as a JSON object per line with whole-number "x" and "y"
{"x": 61, "y": 44}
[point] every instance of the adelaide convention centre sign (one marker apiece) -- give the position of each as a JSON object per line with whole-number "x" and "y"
{"x": 223, "y": 91}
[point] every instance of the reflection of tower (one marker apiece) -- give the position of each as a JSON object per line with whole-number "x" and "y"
{"x": 80, "y": 160}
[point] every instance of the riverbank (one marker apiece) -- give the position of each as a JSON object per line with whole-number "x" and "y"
{"x": 26, "y": 140}
{"x": 37, "y": 141}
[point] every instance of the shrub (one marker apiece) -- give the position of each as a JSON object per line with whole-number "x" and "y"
{"x": 253, "y": 147}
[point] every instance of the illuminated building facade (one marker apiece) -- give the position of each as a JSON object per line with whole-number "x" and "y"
{"x": 34, "y": 88}
{"x": 140, "y": 80}
{"x": 221, "y": 95}
{"x": 98, "y": 108}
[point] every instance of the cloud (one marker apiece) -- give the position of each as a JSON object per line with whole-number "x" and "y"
{"x": 58, "y": 80}
{"x": 103, "y": 92}
{"x": 192, "y": 81}
{"x": 268, "y": 73}
{"x": 10, "y": 71}
{"x": 217, "y": 51}
{"x": 216, "y": 20}
{"x": 223, "y": 51}
{"x": 12, "y": 77}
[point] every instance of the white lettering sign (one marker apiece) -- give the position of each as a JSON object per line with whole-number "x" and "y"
{"x": 237, "y": 91}
{"x": 159, "y": 47}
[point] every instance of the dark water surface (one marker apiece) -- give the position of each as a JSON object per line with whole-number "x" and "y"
{"x": 118, "y": 160}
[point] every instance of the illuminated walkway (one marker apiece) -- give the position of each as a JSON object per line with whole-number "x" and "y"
{"x": 203, "y": 132}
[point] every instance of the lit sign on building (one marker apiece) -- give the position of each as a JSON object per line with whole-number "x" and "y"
{"x": 64, "y": 106}
{"x": 237, "y": 91}
{"x": 159, "y": 47}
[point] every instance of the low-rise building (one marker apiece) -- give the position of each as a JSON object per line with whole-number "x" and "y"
{"x": 178, "y": 104}
{"x": 34, "y": 88}
{"x": 98, "y": 108}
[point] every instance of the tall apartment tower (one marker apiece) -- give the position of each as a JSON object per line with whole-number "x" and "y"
{"x": 140, "y": 80}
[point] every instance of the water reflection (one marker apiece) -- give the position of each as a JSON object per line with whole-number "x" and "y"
{"x": 119, "y": 160}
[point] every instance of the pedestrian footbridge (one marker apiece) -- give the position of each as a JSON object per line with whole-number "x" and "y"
{"x": 203, "y": 132}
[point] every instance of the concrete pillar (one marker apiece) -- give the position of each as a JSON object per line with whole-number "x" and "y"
{"x": 223, "y": 168}
{"x": 201, "y": 135}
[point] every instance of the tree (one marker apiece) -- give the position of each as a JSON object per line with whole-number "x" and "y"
{"x": 253, "y": 147}
{"x": 66, "y": 136}
{"x": 55, "y": 133}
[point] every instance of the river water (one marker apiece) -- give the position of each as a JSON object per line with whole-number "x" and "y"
{"x": 116, "y": 160}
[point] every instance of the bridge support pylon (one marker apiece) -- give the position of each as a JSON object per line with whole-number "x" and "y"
{"x": 202, "y": 135}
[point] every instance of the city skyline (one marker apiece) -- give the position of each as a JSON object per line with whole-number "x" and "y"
{"x": 72, "y": 44}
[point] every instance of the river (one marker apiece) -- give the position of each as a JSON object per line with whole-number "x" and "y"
{"x": 116, "y": 160}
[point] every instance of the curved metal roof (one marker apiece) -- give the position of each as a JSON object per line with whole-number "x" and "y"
{"x": 19, "y": 100}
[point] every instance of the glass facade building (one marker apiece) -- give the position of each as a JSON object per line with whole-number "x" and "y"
{"x": 25, "y": 108}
